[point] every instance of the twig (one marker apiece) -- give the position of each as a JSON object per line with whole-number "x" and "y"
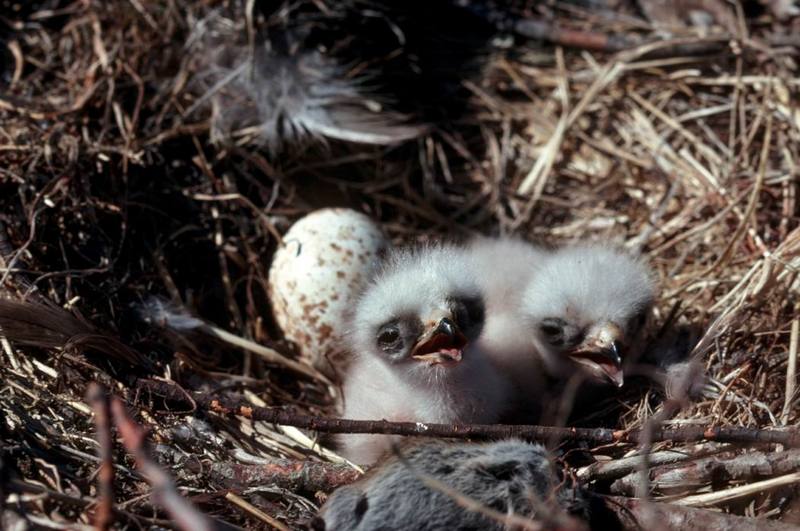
{"x": 611, "y": 43}
{"x": 737, "y": 434}
{"x": 683, "y": 477}
{"x": 267, "y": 353}
{"x": 97, "y": 397}
{"x": 164, "y": 314}
{"x": 735, "y": 493}
{"x": 304, "y": 440}
{"x": 607, "y": 470}
{"x": 164, "y": 491}
{"x": 791, "y": 372}
{"x": 296, "y": 476}
{"x": 586, "y": 40}
{"x": 255, "y": 511}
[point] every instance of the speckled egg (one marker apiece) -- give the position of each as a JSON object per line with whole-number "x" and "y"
{"x": 325, "y": 260}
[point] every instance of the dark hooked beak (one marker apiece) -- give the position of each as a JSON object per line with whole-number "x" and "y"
{"x": 440, "y": 343}
{"x": 601, "y": 354}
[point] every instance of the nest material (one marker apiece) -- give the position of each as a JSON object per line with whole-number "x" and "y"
{"x": 112, "y": 193}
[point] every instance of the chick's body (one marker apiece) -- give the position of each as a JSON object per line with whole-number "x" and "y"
{"x": 375, "y": 392}
{"x": 503, "y": 267}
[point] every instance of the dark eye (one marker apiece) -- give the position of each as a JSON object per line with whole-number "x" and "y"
{"x": 638, "y": 320}
{"x": 468, "y": 312}
{"x": 388, "y": 336}
{"x": 553, "y": 330}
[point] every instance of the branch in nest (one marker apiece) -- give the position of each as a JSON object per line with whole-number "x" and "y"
{"x": 613, "y": 43}
{"x": 223, "y": 406}
{"x": 732, "y": 434}
{"x": 680, "y": 478}
{"x": 608, "y": 470}
{"x": 296, "y": 476}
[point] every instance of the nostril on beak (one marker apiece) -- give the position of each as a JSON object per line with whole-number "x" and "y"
{"x": 446, "y": 326}
{"x": 614, "y": 352}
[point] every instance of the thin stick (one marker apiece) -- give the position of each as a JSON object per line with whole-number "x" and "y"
{"x": 267, "y": 353}
{"x": 723, "y": 496}
{"x": 791, "y": 372}
{"x": 227, "y": 407}
{"x": 732, "y": 434}
{"x": 607, "y": 470}
{"x": 293, "y": 475}
{"x": 169, "y": 316}
{"x": 104, "y": 512}
{"x": 255, "y": 511}
{"x": 744, "y": 467}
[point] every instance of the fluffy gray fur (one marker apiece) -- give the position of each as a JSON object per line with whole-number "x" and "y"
{"x": 417, "y": 284}
{"x": 588, "y": 285}
{"x": 507, "y": 476}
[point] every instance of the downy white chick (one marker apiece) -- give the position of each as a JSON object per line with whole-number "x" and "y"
{"x": 588, "y": 306}
{"x": 503, "y": 267}
{"x": 413, "y": 339}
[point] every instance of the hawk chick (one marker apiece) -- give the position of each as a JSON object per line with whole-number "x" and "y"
{"x": 417, "y": 357}
{"x": 587, "y": 306}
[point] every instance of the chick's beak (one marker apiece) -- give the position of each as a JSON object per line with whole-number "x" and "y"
{"x": 601, "y": 353}
{"x": 441, "y": 343}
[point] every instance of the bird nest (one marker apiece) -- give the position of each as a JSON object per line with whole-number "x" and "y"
{"x": 685, "y": 148}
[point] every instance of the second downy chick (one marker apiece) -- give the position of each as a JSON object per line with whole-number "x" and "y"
{"x": 586, "y": 309}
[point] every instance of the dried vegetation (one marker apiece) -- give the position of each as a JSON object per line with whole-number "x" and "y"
{"x": 111, "y": 191}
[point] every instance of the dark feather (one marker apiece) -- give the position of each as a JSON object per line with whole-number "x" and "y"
{"x": 50, "y": 327}
{"x": 374, "y": 72}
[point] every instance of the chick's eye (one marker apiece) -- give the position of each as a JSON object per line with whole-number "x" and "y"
{"x": 468, "y": 311}
{"x": 553, "y": 329}
{"x": 550, "y": 330}
{"x": 388, "y": 336}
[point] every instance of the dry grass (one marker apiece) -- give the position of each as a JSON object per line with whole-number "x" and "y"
{"x": 110, "y": 193}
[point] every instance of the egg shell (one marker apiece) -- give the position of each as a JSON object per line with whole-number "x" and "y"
{"x": 324, "y": 262}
